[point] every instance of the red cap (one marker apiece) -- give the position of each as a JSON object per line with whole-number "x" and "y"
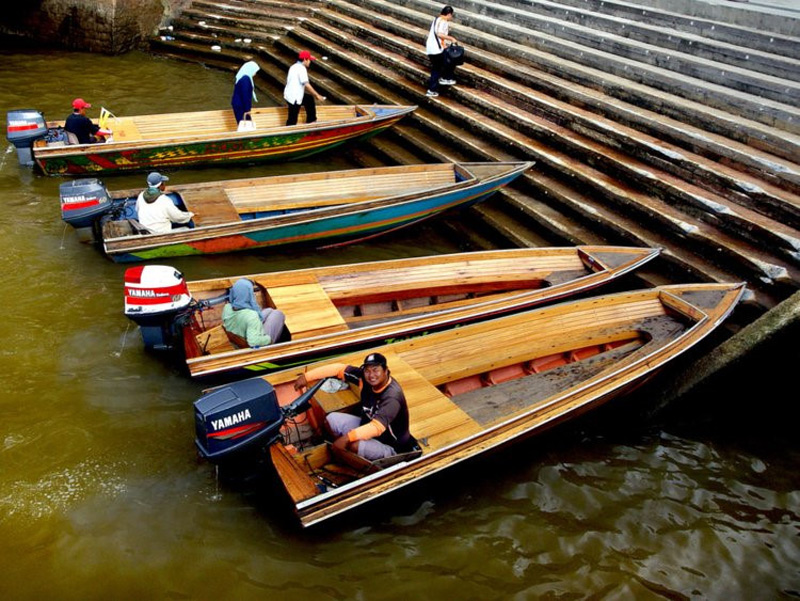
{"x": 80, "y": 103}
{"x": 305, "y": 55}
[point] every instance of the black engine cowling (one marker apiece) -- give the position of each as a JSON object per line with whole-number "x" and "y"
{"x": 242, "y": 418}
{"x": 235, "y": 419}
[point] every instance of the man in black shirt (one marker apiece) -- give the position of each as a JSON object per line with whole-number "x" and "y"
{"x": 80, "y": 125}
{"x": 381, "y": 428}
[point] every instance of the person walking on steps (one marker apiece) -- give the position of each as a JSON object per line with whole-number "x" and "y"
{"x": 438, "y": 39}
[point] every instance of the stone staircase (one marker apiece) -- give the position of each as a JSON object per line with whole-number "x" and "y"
{"x": 647, "y": 127}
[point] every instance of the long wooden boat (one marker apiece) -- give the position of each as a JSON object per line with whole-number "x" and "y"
{"x": 170, "y": 140}
{"x": 315, "y": 208}
{"x": 330, "y": 310}
{"x": 469, "y": 390}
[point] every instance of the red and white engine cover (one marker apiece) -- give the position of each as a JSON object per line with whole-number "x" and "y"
{"x": 153, "y": 289}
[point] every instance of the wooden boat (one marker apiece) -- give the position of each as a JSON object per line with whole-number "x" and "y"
{"x": 330, "y": 310}
{"x": 170, "y": 140}
{"x": 314, "y": 208}
{"x": 469, "y": 390}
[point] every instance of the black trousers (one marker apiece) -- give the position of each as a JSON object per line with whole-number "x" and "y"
{"x": 440, "y": 69}
{"x": 311, "y": 110}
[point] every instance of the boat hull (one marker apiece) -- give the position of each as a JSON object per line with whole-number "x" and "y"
{"x": 326, "y": 228}
{"x": 603, "y": 347}
{"x": 275, "y": 144}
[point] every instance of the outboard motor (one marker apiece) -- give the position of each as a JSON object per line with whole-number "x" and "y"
{"x": 24, "y": 127}
{"x": 155, "y": 297}
{"x": 242, "y": 418}
{"x": 82, "y": 202}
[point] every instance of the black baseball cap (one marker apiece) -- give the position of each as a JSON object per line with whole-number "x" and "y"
{"x": 375, "y": 359}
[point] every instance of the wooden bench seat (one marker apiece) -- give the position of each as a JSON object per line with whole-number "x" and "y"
{"x": 308, "y": 310}
{"x": 210, "y": 206}
{"x": 295, "y": 478}
{"x": 214, "y": 340}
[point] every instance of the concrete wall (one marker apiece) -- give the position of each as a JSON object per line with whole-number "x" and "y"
{"x": 110, "y": 26}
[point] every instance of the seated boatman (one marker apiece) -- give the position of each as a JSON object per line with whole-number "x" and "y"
{"x": 80, "y": 125}
{"x": 243, "y": 316}
{"x": 156, "y": 211}
{"x": 381, "y": 429}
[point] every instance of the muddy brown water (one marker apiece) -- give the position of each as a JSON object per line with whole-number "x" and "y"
{"x": 102, "y": 496}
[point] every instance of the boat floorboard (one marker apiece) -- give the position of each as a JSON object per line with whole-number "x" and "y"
{"x": 493, "y": 404}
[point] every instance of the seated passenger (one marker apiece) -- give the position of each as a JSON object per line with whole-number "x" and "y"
{"x": 156, "y": 211}
{"x": 381, "y": 428}
{"x": 243, "y": 316}
{"x": 79, "y": 124}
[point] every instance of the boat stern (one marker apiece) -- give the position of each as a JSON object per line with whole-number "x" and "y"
{"x": 24, "y": 127}
{"x": 82, "y": 202}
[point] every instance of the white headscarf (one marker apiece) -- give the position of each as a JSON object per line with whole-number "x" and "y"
{"x": 248, "y": 69}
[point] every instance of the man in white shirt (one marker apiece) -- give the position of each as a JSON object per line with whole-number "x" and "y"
{"x": 438, "y": 39}
{"x": 299, "y": 91}
{"x": 156, "y": 211}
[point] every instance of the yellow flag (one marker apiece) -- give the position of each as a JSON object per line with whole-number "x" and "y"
{"x": 104, "y": 115}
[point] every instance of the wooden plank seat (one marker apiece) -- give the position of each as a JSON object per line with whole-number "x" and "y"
{"x": 210, "y": 206}
{"x": 308, "y": 310}
{"x": 298, "y": 483}
{"x": 214, "y": 340}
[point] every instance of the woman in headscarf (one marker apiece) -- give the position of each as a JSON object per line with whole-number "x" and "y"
{"x": 243, "y": 316}
{"x": 244, "y": 90}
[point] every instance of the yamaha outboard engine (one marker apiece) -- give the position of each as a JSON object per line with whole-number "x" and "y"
{"x": 82, "y": 202}
{"x": 24, "y": 127}
{"x": 240, "y": 419}
{"x": 242, "y": 416}
{"x": 155, "y": 298}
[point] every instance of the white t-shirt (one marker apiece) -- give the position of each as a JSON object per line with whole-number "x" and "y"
{"x": 296, "y": 81}
{"x": 433, "y": 43}
{"x": 159, "y": 215}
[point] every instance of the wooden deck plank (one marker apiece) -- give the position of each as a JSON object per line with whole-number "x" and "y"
{"x": 548, "y": 333}
{"x": 308, "y": 310}
{"x": 214, "y": 340}
{"x": 334, "y": 190}
{"x": 297, "y": 482}
{"x": 124, "y": 129}
{"x": 210, "y": 207}
{"x": 464, "y": 273}
{"x": 444, "y": 417}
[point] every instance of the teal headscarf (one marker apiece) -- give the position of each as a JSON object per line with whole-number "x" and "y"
{"x": 248, "y": 69}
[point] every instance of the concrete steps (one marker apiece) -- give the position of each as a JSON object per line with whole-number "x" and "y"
{"x": 703, "y": 165}
{"x": 509, "y": 133}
